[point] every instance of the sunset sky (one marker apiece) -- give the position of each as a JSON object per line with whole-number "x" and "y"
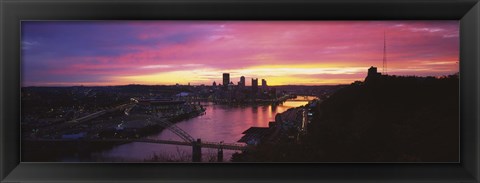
{"x": 63, "y": 53}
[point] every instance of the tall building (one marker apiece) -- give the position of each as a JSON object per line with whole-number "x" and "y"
{"x": 226, "y": 79}
{"x": 373, "y": 75}
{"x": 254, "y": 85}
{"x": 242, "y": 81}
{"x": 372, "y": 72}
{"x": 264, "y": 85}
{"x": 214, "y": 83}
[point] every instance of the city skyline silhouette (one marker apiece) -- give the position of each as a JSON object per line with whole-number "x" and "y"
{"x": 63, "y": 53}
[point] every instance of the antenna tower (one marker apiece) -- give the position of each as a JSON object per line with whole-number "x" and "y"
{"x": 384, "y": 70}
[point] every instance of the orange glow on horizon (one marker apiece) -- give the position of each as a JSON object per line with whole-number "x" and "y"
{"x": 198, "y": 52}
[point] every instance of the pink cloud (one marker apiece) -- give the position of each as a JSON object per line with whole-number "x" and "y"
{"x": 172, "y": 45}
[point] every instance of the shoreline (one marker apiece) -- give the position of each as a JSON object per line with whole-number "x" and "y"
{"x": 92, "y": 148}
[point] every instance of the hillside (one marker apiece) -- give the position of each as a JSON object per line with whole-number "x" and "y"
{"x": 390, "y": 119}
{"x": 385, "y": 119}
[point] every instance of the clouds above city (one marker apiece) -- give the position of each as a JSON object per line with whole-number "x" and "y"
{"x": 168, "y": 52}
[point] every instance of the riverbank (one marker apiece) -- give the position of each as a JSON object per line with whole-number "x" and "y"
{"x": 134, "y": 125}
{"x": 289, "y": 129}
{"x": 220, "y": 123}
{"x": 247, "y": 102}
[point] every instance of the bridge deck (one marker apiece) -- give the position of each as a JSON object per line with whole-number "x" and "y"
{"x": 214, "y": 145}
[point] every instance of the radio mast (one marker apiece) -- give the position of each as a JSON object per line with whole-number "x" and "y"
{"x": 384, "y": 70}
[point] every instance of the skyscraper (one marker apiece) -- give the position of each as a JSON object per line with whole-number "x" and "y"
{"x": 226, "y": 79}
{"x": 264, "y": 85}
{"x": 242, "y": 81}
{"x": 254, "y": 85}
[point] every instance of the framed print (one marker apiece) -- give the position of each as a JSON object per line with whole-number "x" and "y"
{"x": 239, "y": 91}
{"x": 146, "y": 91}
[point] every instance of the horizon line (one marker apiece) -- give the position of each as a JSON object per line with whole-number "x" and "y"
{"x": 333, "y": 84}
{"x": 65, "y": 86}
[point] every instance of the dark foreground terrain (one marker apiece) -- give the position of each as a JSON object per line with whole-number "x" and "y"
{"x": 384, "y": 119}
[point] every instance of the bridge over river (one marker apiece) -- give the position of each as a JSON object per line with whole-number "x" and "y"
{"x": 220, "y": 123}
{"x": 213, "y": 145}
{"x": 188, "y": 140}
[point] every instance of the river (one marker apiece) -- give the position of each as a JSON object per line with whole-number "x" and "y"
{"x": 220, "y": 123}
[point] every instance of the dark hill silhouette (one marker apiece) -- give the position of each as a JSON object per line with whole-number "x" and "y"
{"x": 390, "y": 119}
{"x": 384, "y": 119}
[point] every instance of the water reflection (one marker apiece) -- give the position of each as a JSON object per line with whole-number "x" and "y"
{"x": 220, "y": 123}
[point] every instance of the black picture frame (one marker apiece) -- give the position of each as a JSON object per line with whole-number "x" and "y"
{"x": 13, "y": 11}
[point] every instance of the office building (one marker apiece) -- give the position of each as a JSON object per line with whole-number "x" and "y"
{"x": 254, "y": 85}
{"x": 242, "y": 81}
{"x": 264, "y": 85}
{"x": 226, "y": 79}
